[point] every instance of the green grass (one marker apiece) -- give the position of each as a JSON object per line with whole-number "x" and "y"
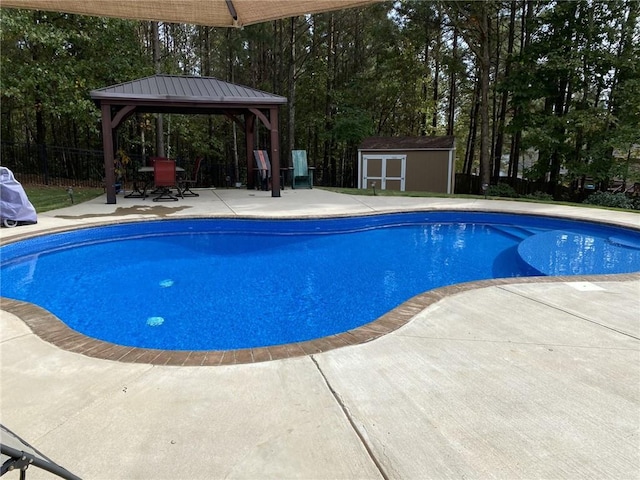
{"x": 395, "y": 193}
{"x": 45, "y": 198}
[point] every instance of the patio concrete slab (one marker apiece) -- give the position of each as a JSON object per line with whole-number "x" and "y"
{"x": 488, "y": 384}
{"x": 44, "y": 387}
{"x": 510, "y": 380}
{"x": 271, "y": 420}
{"x": 616, "y": 309}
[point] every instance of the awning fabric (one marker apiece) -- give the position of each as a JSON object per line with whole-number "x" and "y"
{"x": 216, "y": 13}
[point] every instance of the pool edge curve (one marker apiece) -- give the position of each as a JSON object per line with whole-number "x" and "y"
{"x": 50, "y": 329}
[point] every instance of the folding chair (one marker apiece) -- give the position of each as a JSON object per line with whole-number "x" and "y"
{"x": 302, "y": 173}
{"x": 185, "y": 183}
{"x": 263, "y": 169}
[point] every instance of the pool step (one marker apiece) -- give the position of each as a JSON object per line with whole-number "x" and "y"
{"x": 625, "y": 242}
{"x": 519, "y": 233}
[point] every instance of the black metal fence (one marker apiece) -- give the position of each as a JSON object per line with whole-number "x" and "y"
{"x": 49, "y": 165}
{"x": 64, "y": 166}
{"x": 472, "y": 184}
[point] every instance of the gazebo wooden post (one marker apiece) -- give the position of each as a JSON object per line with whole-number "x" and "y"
{"x": 249, "y": 134}
{"x": 275, "y": 152}
{"x": 107, "y": 145}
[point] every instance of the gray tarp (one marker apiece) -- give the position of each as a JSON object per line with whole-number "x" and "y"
{"x": 14, "y": 203}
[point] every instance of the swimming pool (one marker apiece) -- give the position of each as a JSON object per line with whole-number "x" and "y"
{"x": 222, "y": 284}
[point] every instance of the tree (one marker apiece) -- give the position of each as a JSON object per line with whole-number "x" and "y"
{"x": 569, "y": 65}
{"x": 473, "y": 21}
{"x": 49, "y": 63}
{"x": 558, "y": 79}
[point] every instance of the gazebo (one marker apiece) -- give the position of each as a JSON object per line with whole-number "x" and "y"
{"x": 188, "y": 95}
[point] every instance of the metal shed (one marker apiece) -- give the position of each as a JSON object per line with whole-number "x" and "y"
{"x": 189, "y": 95}
{"x": 419, "y": 164}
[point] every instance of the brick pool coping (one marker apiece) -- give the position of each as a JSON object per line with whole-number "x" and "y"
{"x": 51, "y": 329}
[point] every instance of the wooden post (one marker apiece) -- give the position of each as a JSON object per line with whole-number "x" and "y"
{"x": 249, "y": 133}
{"x": 107, "y": 145}
{"x": 275, "y": 152}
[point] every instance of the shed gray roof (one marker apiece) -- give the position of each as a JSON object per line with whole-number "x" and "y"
{"x": 408, "y": 143}
{"x": 184, "y": 90}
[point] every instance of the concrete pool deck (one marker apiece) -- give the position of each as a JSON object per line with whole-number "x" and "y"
{"x": 534, "y": 378}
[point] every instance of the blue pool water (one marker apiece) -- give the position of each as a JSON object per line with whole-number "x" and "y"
{"x": 219, "y": 284}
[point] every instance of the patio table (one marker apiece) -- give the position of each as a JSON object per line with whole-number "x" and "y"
{"x": 147, "y": 175}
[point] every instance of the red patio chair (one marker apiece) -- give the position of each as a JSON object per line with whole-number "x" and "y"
{"x": 164, "y": 177}
{"x": 185, "y": 183}
{"x": 263, "y": 169}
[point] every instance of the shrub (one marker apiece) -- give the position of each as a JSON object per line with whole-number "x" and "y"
{"x": 502, "y": 190}
{"x": 608, "y": 199}
{"x": 538, "y": 195}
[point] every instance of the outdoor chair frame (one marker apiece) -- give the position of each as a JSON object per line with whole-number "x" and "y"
{"x": 164, "y": 177}
{"x": 302, "y": 173}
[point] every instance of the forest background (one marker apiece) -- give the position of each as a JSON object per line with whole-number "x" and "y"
{"x": 540, "y": 91}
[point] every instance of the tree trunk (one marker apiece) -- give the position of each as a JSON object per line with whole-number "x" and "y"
{"x": 292, "y": 86}
{"x": 436, "y": 75}
{"x": 451, "y": 114}
{"x": 516, "y": 141}
{"x": 329, "y": 159}
{"x": 158, "y": 69}
{"x": 502, "y": 115}
{"x": 473, "y": 130}
{"x": 484, "y": 64}
{"x": 425, "y": 80}
{"x": 41, "y": 131}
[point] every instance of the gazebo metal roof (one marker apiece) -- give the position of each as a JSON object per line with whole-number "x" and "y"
{"x": 189, "y": 95}
{"x": 176, "y": 89}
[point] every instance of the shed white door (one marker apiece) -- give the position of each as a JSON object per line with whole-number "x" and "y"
{"x": 387, "y": 171}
